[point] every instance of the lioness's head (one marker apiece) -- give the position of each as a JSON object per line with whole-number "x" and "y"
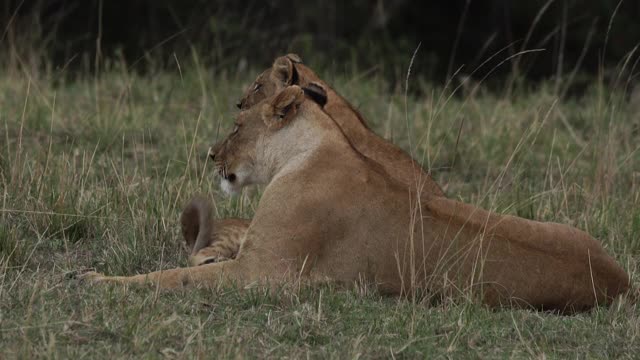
{"x": 252, "y": 150}
{"x": 281, "y": 74}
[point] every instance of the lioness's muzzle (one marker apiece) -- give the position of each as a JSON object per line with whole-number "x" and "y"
{"x": 220, "y": 165}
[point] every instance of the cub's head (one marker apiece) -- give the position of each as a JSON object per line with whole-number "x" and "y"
{"x": 247, "y": 155}
{"x": 283, "y": 73}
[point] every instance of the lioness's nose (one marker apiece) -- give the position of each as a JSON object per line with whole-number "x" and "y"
{"x": 239, "y": 105}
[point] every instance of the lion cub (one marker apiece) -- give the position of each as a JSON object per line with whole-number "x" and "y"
{"x": 210, "y": 240}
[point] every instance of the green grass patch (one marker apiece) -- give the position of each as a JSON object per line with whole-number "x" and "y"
{"x": 94, "y": 174}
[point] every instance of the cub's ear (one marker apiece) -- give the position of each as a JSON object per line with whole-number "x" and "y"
{"x": 283, "y": 108}
{"x": 283, "y": 71}
{"x": 316, "y": 93}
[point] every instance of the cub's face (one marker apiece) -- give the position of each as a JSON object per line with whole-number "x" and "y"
{"x": 282, "y": 74}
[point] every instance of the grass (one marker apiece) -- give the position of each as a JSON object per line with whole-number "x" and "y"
{"x": 94, "y": 172}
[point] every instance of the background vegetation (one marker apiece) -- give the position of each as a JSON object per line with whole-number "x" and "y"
{"x": 457, "y": 35}
{"x": 102, "y": 147}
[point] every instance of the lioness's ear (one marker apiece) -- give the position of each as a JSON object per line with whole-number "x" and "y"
{"x": 295, "y": 58}
{"x": 316, "y": 93}
{"x": 284, "y": 106}
{"x": 283, "y": 70}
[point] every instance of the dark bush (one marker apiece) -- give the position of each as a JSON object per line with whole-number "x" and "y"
{"x": 453, "y": 33}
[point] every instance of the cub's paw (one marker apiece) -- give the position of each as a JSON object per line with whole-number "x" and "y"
{"x": 197, "y": 260}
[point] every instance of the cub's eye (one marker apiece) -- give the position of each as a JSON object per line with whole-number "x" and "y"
{"x": 236, "y": 127}
{"x": 256, "y": 87}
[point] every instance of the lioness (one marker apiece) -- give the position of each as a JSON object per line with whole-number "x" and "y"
{"x": 289, "y": 70}
{"x": 330, "y": 213}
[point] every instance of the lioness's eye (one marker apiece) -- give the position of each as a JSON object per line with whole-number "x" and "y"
{"x": 236, "y": 128}
{"x": 257, "y": 87}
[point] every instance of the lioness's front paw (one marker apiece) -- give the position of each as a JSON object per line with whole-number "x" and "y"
{"x": 91, "y": 277}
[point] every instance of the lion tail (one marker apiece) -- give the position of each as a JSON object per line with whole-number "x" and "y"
{"x": 197, "y": 223}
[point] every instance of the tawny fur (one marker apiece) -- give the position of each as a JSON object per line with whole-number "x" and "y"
{"x": 330, "y": 213}
{"x": 289, "y": 70}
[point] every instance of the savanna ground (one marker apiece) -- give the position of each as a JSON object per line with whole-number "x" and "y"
{"x": 94, "y": 172}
